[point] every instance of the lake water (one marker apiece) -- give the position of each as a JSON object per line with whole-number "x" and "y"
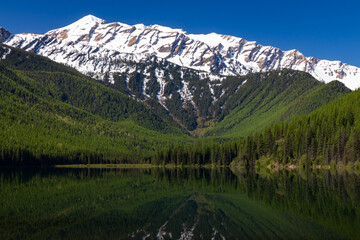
{"x": 184, "y": 203}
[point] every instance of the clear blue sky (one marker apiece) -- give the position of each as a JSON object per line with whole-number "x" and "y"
{"x": 323, "y": 29}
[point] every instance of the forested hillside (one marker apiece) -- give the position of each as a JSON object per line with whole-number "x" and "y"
{"x": 249, "y": 104}
{"x": 53, "y": 113}
{"x": 328, "y": 136}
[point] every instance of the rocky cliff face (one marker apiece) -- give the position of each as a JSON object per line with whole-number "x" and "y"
{"x": 94, "y": 47}
{"x": 4, "y": 34}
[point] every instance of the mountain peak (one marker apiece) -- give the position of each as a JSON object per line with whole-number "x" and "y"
{"x": 4, "y": 34}
{"x": 79, "y": 30}
{"x": 90, "y": 19}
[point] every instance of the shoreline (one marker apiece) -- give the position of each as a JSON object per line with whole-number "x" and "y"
{"x": 145, "y": 165}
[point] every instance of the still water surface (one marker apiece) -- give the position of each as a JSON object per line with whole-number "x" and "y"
{"x": 184, "y": 203}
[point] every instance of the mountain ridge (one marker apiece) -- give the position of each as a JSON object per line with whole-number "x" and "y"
{"x": 211, "y": 53}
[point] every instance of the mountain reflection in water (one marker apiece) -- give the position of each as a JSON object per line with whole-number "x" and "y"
{"x": 188, "y": 203}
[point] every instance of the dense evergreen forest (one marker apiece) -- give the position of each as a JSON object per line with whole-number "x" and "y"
{"x": 52, "y": 114}
{"x": 328, "y": 136}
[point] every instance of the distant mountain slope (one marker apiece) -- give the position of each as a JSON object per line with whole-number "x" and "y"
{"x": 50, "y": 111}
{"x": 92, "y": 45}
{"x": 212, "y": 99}
{"x": 250, "y": 103}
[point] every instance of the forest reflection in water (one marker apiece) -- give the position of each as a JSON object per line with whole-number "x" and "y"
{"x": 187, "y": 203}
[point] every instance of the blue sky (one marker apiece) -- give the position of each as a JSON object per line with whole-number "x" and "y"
{"x": 323, "y": 29}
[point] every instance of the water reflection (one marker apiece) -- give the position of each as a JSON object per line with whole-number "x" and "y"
{"x": 189, "y": 203}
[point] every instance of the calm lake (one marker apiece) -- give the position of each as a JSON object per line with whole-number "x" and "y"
{"x": 188, "y": 203}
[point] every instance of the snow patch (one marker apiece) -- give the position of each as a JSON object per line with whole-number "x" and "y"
{"x": 161, "y": 232}
{"x": 5, "y": 53}
{"x": 187, "y": 234}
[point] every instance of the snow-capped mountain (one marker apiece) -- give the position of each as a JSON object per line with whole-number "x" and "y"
{"x": 97, "y": 48}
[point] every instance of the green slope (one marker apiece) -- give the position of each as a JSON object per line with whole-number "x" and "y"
{"x": 329, "y": 135}
{"x": 50, "y": 111}
{"x": 250, "y": 103}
